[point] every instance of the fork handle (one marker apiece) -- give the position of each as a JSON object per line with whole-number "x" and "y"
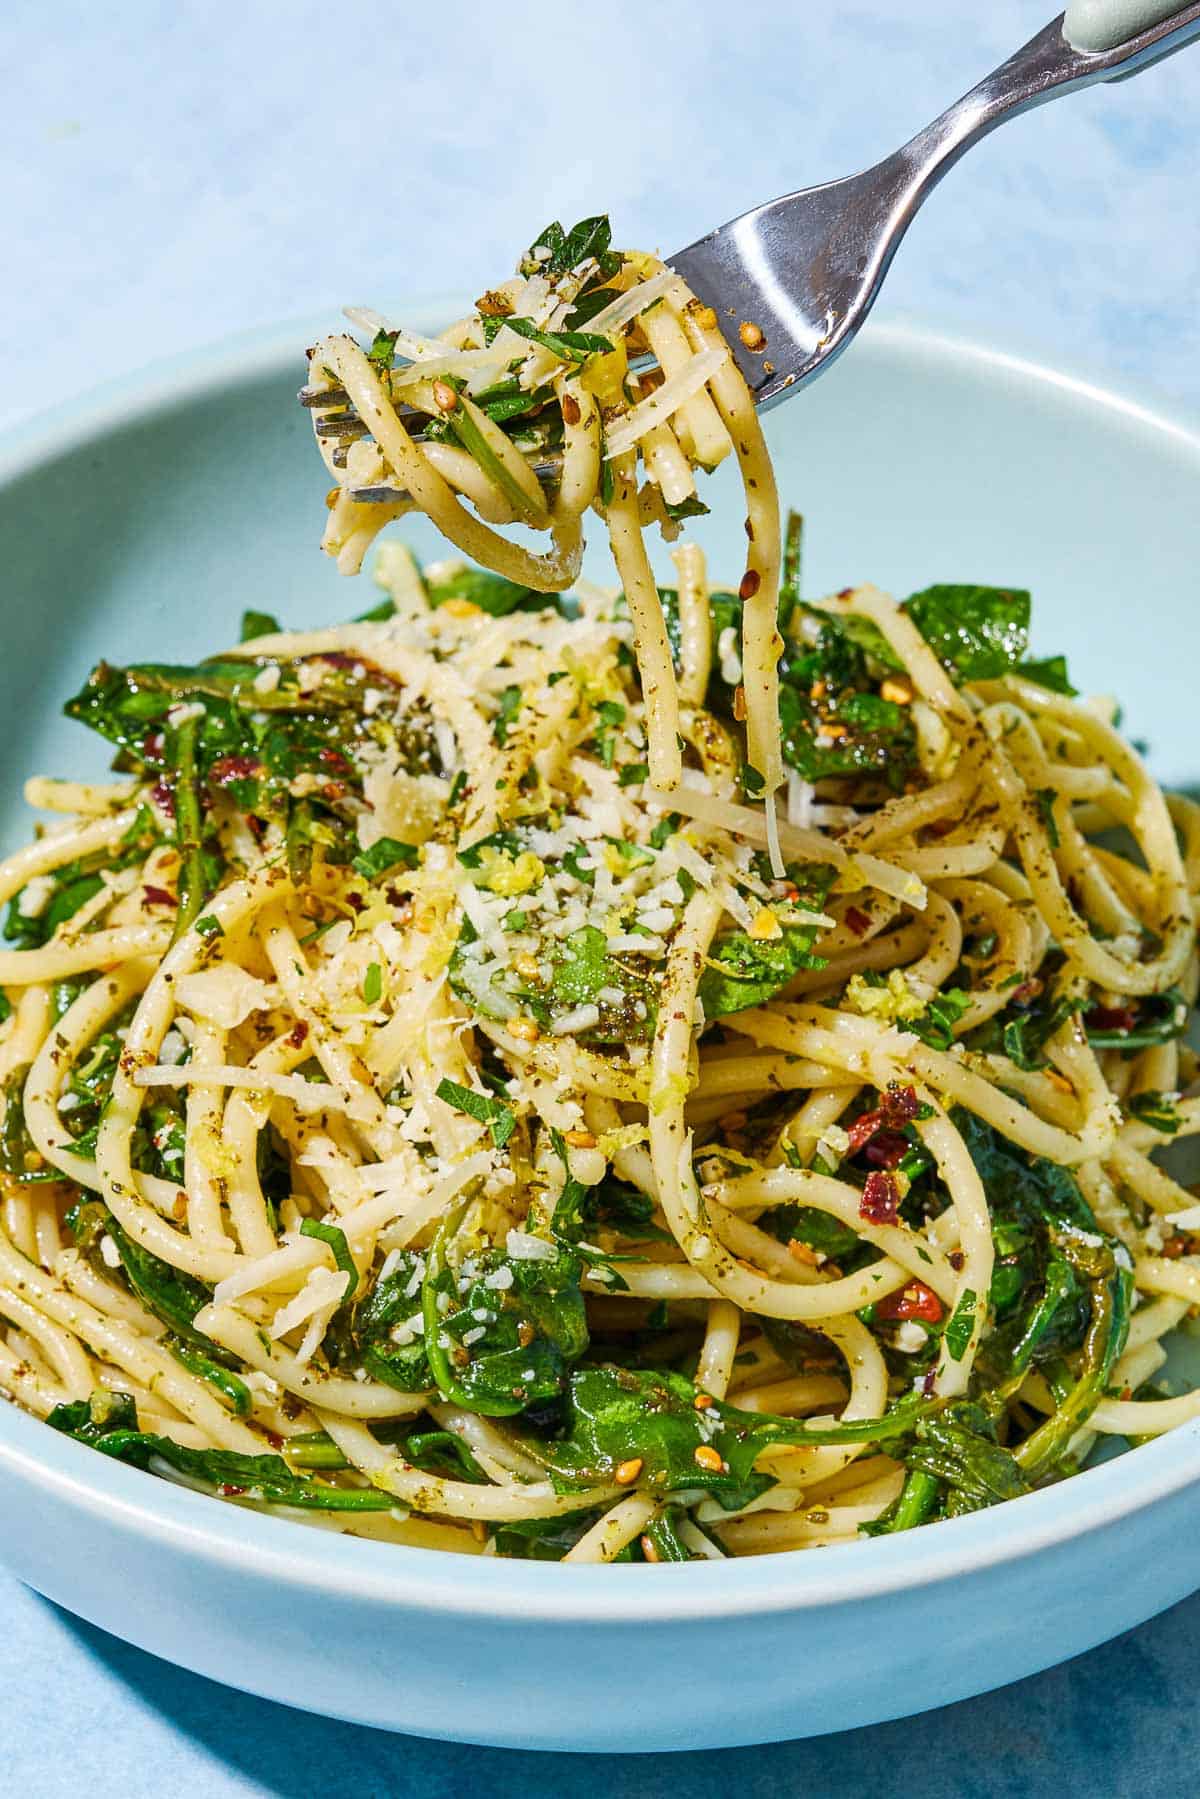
{"x": 1050, "y": 64}
{"x": 1091, "y": 25}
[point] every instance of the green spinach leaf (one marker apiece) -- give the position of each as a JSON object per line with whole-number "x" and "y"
{"x": 618, "y": 1416}
{"x": 501, "y": 1331}
{"x": 978, "y": 633}
{"x": 108, "y": 1422}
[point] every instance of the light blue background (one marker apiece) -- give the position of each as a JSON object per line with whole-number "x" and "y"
{"x": 173, "y": 173}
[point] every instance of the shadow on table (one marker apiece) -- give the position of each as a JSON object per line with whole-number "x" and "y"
{"x": 1109, "y": 1724}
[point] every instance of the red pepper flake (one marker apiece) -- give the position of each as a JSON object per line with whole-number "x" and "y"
{"x": 298, "y": 1033}
{"x": 916, "y": 1300}
{"x": 228, "y": 1492}
{"x": 900, "y": 1103}
{"x": 858, "y": 922}
{"x": 1175, "y": 1246}
{"x": 273, "y": 1438}
{"x": 355, "y": 901}
{"x": 227, "y": 769}
{"x": 880, "y": 1198}
{"x": 163, "y": 797}
{"x": 887, "y": 1150}
{"x": 1111, "y": 1018}
{"x": 158, "y": 896}
{"x": 899, "y": 1107}
{"x": 333, "y": 759}
{"x": 152, "y": 746}
{"x": 957, "y": 1260}
{"x": 751, "y": 582}
{"x": 862, "y": 1130}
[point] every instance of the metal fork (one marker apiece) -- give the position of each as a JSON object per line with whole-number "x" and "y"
{"x": 792, "y": 281}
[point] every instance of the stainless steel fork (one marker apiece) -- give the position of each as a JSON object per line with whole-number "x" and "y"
{"x": 792, "y": 281}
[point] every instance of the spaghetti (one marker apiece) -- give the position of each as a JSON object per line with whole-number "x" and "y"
{"x": 443, "y": 1102}
{"x": 540, "y": 405}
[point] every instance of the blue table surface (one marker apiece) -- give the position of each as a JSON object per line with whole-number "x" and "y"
{"x": 171, "y": 173}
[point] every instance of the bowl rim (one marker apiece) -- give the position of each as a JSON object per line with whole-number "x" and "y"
{"x": 403, "y": 1577}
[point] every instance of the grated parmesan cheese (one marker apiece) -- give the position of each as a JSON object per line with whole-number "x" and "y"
{"x": 522, "y": 1246}
{"x": 36, "y": 895}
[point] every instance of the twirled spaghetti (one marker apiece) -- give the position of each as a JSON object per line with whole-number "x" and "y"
{"x": 441, "y": 1100}
{"x": 538, "y": 382}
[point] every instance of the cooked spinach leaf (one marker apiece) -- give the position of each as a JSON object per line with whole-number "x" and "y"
{"x": 20, "y": 1158}
{"x": 567, "y": 249}
{"x": 617, "y": 1417}
{"x": 492, "y": 594}
{"x": 834, "y": 721}
{"x": 978, "y": 633}
{"x": 257, "y": 624}
{"x": 1159, "y": 1110}
{"x": 955, "y": 1465}
{"x": 570, "y": 346}
{"x": 1048, "y": 1246}
{"x": 746, "y": 971}
{"x": 287, "y": 753}
{"x": 108, "y": 1422}
{"x": 499, "y": 1118}
{"x": 500, "y": 1331}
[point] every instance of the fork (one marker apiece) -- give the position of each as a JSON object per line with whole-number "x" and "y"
{"x": 800, "y": 274}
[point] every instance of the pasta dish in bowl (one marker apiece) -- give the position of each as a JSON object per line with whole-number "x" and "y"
{"x": 591, "y": 1073}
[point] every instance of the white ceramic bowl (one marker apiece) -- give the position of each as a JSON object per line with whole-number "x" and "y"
{"x": 140, "y": 523}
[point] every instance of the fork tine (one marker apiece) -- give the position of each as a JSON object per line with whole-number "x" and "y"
{"x": 377, "y": 496}
{"x": 323, "y": 396}
{"x": 347, "y": 426}
{"x": 546, "y": 468}
{"x": 336, "y": 399}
